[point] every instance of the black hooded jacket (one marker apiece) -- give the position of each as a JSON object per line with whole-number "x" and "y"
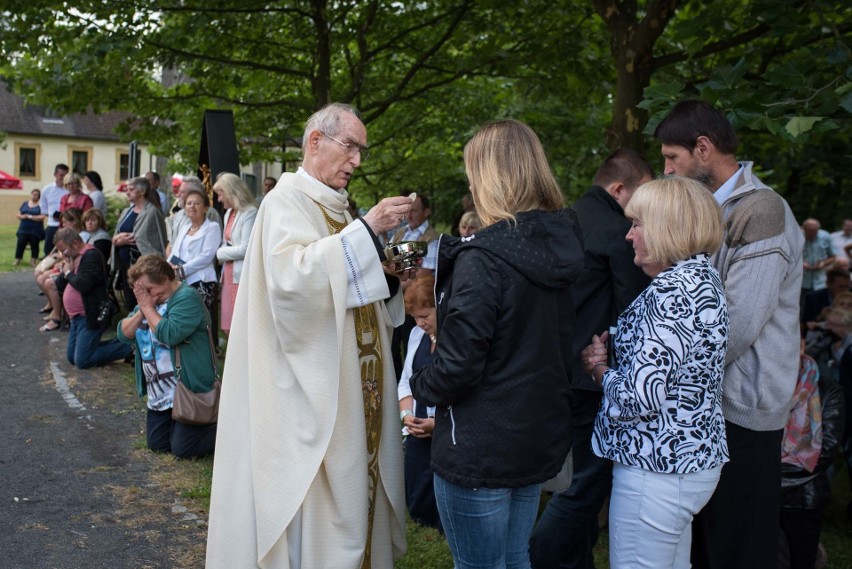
{"x": 501, "y": 371}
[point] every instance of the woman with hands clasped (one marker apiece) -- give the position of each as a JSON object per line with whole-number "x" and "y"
{"x": 661, "y": 419}
{"x": 193, "y": 250}
{"x": 418, "y": 420}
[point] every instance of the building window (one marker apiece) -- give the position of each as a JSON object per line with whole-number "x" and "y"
{"x": 79, "y": 159}
{"x": 27, "y": 158}
{"x": 123, "y": 166}
{"x": 122, "y": 159}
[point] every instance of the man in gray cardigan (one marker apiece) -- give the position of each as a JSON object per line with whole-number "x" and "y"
{"x": 760, "y": 263}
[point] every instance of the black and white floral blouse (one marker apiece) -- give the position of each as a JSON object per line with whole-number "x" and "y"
{"x": 662, "y": 404}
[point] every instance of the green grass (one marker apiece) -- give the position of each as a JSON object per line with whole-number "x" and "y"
{"x": 8, "y": 240}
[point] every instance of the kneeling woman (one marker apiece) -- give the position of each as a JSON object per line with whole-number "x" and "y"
{"x": 661, "y": 419}
{"x": 169, "y": 315}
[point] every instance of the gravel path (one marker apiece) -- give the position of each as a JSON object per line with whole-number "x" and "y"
{"x": 77, "y": 489}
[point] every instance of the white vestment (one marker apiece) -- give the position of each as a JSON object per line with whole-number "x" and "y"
{"x": 291, "y": 463}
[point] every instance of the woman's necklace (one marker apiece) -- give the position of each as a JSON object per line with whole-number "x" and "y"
{"x": 193, "y": 229}
{"x": 433, "y": 338}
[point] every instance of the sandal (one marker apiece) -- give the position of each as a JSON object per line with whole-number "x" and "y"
{"x": 56, "y": 325}
{"x": 45, "y": 310}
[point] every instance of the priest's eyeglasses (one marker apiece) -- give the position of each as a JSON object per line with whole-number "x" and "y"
{"x": 350, "y": 148}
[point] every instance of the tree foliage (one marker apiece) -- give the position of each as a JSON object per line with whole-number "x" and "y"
{"x": 588, "y": 76}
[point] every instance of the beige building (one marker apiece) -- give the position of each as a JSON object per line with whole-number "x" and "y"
{"x": 36, "y": 140}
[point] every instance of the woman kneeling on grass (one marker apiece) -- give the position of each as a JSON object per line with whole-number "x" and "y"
{"x": 169, "y": 315}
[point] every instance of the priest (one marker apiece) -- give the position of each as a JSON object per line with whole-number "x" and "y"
{"x": 308, "y": 466}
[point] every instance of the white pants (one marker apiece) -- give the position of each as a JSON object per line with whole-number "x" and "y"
{"x": 650, "y": 516}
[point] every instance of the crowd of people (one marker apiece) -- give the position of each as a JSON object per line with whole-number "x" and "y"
{"x": 678, "y": 347}
{"x": 159, "y": 271}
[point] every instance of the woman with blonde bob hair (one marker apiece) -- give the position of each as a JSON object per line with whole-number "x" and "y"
{"x": 697, "y": 226}
{"x": 660, "y": 420}
{"x": 501, "y": 372}
{"x": 240, "y": 213}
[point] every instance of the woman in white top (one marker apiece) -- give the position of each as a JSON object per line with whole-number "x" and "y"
{"x": 240, "y": 214}
{"x": 193, "y": 249}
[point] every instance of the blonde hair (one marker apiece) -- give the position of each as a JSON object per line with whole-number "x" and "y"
{"x": 235, "y": 189}
{"x": 72, "y": 177}
{"x": 470, "y": 218}
{"x": 508, "y": 172}
{"x": 844, "y": 316}
{"x": 679, "y": 217}
{"x": 843, "y": 296}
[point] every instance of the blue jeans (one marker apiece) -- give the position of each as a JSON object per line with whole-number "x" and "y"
{"x": 487, "y": 528}
{"x": 650, "y": 516}
{"x": 567, "y": 530}
{"x": 86, "y": 350}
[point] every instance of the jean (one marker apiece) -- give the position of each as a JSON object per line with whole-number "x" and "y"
{"x": 164, "y": 434}
{"x": 86, "y": 350}
{"x": 487, "y": 528}
{"x": 567, "y": 530}
{"x": 650, "y": 516}
{"x": 49, "y": 232}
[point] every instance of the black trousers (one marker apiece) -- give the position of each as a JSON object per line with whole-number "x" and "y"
{"x": 23, "y": 241}
{"x": 738, "y": 528}
{"x": 800, "y": 530}
{"x": 164, "y": 434}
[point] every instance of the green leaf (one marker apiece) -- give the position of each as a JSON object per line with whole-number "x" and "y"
{"x": 669, "y": 91}
{"x": 800, "y": 125}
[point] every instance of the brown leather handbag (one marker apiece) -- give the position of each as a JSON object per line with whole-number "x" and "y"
{"x": 193, "y": 408}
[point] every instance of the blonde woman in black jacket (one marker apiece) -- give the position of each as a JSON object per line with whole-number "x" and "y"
{"x": 501, "y": 371}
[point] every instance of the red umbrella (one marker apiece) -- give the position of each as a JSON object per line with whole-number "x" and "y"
{"x": 10, "y": 182}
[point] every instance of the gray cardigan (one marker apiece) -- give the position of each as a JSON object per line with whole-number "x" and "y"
{"x": 760, "y": 263}
{"x": 149, "y": 231}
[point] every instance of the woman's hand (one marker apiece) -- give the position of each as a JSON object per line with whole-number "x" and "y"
{"x": 595, "y": 353}
{"x": 419, "y": 428}
{"x": 145, "y": 301}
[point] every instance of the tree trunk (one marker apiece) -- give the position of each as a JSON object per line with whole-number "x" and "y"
{"x": 632, "y": 48}
{"x": 322, "y": 77}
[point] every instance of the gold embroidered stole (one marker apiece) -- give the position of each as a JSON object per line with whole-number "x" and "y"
{"x": 372, "y": 375}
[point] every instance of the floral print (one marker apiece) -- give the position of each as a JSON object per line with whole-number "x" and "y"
{"x": 662, "y": 404}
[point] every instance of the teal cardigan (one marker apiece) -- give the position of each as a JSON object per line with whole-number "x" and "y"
{"x": 184, "y": 324}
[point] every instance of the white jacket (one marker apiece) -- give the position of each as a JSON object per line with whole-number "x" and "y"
{"x": 235, "y": 248}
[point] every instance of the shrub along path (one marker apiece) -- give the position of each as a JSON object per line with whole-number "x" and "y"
{"x": 78, "y": 487}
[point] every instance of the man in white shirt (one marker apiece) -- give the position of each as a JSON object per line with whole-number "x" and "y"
{"x": 51, "y": 196}
{"x": 841, "y": 242}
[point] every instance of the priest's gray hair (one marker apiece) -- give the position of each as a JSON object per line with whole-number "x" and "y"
{"x": 327, "y": 120}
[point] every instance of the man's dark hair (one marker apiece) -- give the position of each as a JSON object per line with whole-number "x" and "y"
{"x": 154, "y": 175}
{"x": 691, "y": 119}
{"x": 835, "y": 273}
{"x": 423, "y": 199}
{"x": 61, "y": 167}
{"x": 624, "y": 165}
